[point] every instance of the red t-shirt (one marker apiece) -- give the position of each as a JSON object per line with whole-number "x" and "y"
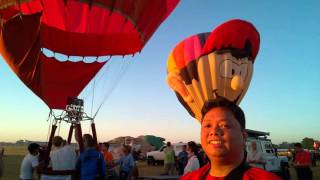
{"x": 251, "y": 174}
{"x": 107, "y": 157}
{"x": 303, "y": 158}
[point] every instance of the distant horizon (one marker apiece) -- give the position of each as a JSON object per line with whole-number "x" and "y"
{"x": 73, "y": 141}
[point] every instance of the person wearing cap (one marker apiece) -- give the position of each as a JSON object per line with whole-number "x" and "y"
{"x": 223, "y": 139}
{"x": 302, "y": 163}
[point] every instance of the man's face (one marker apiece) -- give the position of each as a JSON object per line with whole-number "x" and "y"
{"x": 221, "y": 134}
{"x": 124, "y": 150}
{"x": 297, "y": 149}
{"x": 36, "y": 152}
{"x": 184, "y": 148}
{"x": 254, "y": 145}
{"x": 188, "y": 149}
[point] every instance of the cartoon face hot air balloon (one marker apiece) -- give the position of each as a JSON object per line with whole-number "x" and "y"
{"x": 206, "y": 66}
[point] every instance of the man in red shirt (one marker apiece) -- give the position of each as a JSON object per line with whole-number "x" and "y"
{"x": 106, "y": 154}
{"x": 302, "y": 162}
{"x": 223, "y": 139}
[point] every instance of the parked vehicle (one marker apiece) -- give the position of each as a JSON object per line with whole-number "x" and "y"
{"x": 274, "y": 163}
{"x": 157, "y": 157}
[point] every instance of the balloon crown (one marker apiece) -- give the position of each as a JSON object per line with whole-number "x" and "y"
{"x": 206, "y": 66}
{"x": 235, "y": 34}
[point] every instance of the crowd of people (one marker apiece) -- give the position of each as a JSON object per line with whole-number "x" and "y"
{"x": 190, "y": 158}
{"x": 95, "y": 162}
{"x": 223, "y": 155}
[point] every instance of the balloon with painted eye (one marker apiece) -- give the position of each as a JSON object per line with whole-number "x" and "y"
{"x": 206, "y": 66}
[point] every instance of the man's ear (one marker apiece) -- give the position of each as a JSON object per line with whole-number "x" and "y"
{"x": 244, "y": 134}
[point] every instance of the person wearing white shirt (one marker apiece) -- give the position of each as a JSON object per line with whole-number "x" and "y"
{"x": 193, "y": 162}
{"x": 64, "y": 157}
{"x": 30, "y": 162}
{"x": 254, "y": 157}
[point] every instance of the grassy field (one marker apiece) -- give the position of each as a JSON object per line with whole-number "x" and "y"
{"x": 14, "y": 156}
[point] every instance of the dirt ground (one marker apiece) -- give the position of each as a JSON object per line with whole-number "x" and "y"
{"x": 12, "y": 168}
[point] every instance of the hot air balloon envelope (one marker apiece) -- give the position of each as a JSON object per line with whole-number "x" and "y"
{"x": 206, "y": 66}
{"x": 73, "y": 28}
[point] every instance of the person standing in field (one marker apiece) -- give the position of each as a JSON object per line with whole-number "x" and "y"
{"x": 64, "y": 156}
{"x": 126, "y": 163}
{"x": 254, "y": 157}
{"x": 169, "y": 160}
{"x": 90, "y": 164}
{"x": 30, "y": 162}
{"x": 1, "y": 162}
{"x": 193, "y": 161}
{"x": 107, "y": 154}
{"x": 182, "y": 159}
{"x": 302, "y": 162}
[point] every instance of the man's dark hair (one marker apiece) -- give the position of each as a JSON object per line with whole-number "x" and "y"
{"x": 57, "y": 141}
{"x": 168, "y": 144}
{"x": 33, "y": 147}
{"x": 224, "y": 103}
{"x": 298, "y": 145}
{"x": 88, "y": 139}
{"x": 193, "y": 147}
{"x": 106, "y": 145}
{"x": 127, "y": 148}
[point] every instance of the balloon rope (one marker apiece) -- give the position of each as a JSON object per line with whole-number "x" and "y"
{"x": 93, "y": 86}
{"x": 106, "y": 83}
{"x": 123, "y": 69}
{"x": 59, "y": 127}
{"x": 106, "y": 68}
{"x": 50, "y": 124}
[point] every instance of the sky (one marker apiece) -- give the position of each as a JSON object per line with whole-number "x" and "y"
{"x": 283, "y": 97}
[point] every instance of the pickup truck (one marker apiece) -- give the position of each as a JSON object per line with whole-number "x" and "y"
{"x": 274, "y": 163}
{"x": 157, "y": 157}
